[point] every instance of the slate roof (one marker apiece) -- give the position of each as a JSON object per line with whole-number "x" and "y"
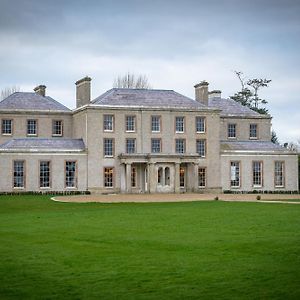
{"x": 230, "y": 107}
{"x": 252, "y": 146}
{"x": 31, "y": 101}
{"x": 146, "y": 98}
{"x": 41, "y": 144}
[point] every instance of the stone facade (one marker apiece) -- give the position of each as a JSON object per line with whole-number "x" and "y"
{"x": 139, "y": 141}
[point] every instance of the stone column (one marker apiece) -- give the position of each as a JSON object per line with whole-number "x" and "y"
{"x": 196, "y": 167}
{"x": 128, "y": 177}
{"x": 151, "y": 178}
{"x": 177, "y": 181}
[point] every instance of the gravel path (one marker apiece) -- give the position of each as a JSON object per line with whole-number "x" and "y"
{"x": 144, "y": 198}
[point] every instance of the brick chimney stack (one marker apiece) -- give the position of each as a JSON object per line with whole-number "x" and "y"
{"x": 201, "y": 92}
{"x": 40, "y": 90}
{"x": 83, "y": 91}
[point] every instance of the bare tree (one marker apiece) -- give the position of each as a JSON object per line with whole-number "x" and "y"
{"x": 8, "y": 91}
{"x": 131, "y": 81}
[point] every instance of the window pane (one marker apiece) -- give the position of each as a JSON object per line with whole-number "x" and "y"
{"x": 253, "y": 130}
{"x": 279, "y": 174}
{"x": 257, "y": 173}
{"x": 155, "y": 123}
{"x": 19, "y": 179}
{"x": 200, "y": 147}
{"x": 155, "y": 145}
{"x": 200, "y": 124}
{"x": 130, "y": 146}
{"x": 108, "y": 177}
{"x": 6, "y": 126}
{"x": 44, "y": 174}
{"x": 57, "y": 127}
{"x": 31, "y": 127}
{"x": 181, "y": 176}
{"x": 133, "y": 176}
{"x": 108, "y": 124}
{"x": 234, "y": 174}
{"x": 180, "y": 146}
{"x": 108, "y": 147}
{"x": 179, "y": 124}
{"x": 231, "y": 130}
{"x": 130, "y": 123}
{"x": 70, "y": 174}
{"x": 201, "y": 177}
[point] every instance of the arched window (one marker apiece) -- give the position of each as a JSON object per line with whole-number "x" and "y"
{"x": 167, "y": 176}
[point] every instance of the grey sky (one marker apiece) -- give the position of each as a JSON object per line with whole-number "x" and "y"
{"x": 175, "y": 43}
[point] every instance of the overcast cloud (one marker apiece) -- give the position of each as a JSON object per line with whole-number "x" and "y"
{"x": 175, "y": 43}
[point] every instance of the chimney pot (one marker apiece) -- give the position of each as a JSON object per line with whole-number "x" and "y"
{"x": 214, "y": 94}
{"x": 83, "y": 91}
{"x": 40, "y": 90}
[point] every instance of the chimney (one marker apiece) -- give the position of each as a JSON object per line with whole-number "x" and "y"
{"x": 201, "y": 92}
{"x": 83, "y": 91}
{"x": 40, "y": 90}
{"x": 214, "y": 94}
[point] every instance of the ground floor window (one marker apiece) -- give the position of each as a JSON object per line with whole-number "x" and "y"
{"x": 182, "y": 177}
{"x": 159, "y": 175}
{"x": 235, "y": 174}
{"x": 19, "y": 174}
{"x": 45, "y": 174}
{"x": 167, "y": 176}
{"x": 70, "y": 174}
{"x": 201, "y": 177}
{"x": 279, "y": 174}
{"x": 257, "y": 169}
{"x": 133, "y": 176}
{"x": 108, "y": 177}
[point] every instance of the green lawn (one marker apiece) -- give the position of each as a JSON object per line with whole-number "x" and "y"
{"x": 193, "y": 250}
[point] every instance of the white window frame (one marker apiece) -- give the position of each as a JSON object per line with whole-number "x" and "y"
{"x": 235, "y": 174}
{"x": 71, "y": 174}
{"x": 252, "y": 130}
{"x": 180, "y": 146}
{"x": 154, "y": 145}
{"x": 130, "y": 146}
{"x": 32, "y": 127}
{"x": 231, "y": 131}
{"x": 201, "y": 175}
{"x": 155, "y": 123}
{"x": 5, "y": 125}
{"x": 130, "y": 123}
{"x": 108, "y": 123}
{"x": 201, "y": 147}
{"x": 279, "y": 173}
{"x": 200, "y": 124}
{"x": 45, "y": 174}
{"x": 179, "y": 124}
{"x": 108, "y": 147}
{"x": 257, "y": 174}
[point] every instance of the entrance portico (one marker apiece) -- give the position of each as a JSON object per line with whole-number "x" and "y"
{"x": 159, "y": 173}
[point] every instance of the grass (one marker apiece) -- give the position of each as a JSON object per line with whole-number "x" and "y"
{"x": 207, "y": 250}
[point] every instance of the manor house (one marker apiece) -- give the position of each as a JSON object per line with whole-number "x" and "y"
{"x": 139, "y": 141}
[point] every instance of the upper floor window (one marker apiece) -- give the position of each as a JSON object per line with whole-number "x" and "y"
{"x": 108, "y": 123}
{"x": 19, "y": 174}
{"x": 235, "y": 174}
{"x": 108, "y": 145}
{"x": 155, "y": 123}
{"x": 6, "y": 126}
{"x": 57, "y": 128}
{"x": 180, "y": 146}
{"x": 70, "y": 174}
{"x": 31, "y": 127}
{"x": 179, "y": 124}
{"x": 200, "y": 124}
{"x": 155, "y": 145}
{"x": 130, "y": 146}
{"x": 257, "y": 173}
{"x": 130, "y": 123}
{"x": 231, "y": 131}
{"x": 279, "y": 174}
{"x": 44, "y": 174}
{"x": 200, "y": 147}
{"x": 253, "y": 131}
